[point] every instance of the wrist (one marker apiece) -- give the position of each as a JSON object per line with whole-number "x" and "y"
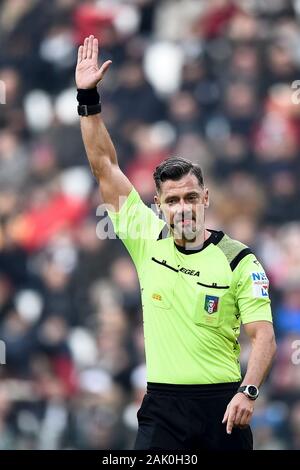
{"x": 250, "y": 391}
{"x": 88, "y": 101}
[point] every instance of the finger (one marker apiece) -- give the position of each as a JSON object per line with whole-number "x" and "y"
{"x": 239, "y": 415}
{"x": 79, "y": 56}
{"x": 85, "y": 46}
{"x": 245, "y": 419}
{"x": 95, "y": 50}
{"x": 103, "y": 69}
{"x": 231, "y": 420}
{"x": 90, "y": 47}
{"x": 225, "y": 415}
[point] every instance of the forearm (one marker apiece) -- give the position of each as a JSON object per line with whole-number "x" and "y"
{"x": 260, "y": 360}
{"x": 98, "y": 145}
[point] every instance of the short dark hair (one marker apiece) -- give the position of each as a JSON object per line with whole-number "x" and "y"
{"x": 174, "y": 168}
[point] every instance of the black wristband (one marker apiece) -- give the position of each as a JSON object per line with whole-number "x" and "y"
{"x": 89, "y": 101}
{"x": 85, "y": 110}
{"x": 88, "y": 97}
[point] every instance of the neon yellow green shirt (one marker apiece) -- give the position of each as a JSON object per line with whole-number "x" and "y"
{"x": 193, "y": 302}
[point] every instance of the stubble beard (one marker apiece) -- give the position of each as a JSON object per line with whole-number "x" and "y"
{"x": 185, "y": 233}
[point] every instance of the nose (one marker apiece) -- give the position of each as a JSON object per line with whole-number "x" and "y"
{"x": 183, "y": 207}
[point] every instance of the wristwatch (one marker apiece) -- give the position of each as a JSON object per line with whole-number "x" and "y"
{"x": 251, "y": 391}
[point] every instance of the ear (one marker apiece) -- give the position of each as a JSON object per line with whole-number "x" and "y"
{"x": 157, "y": 203}
{"x": 206, "y": 199}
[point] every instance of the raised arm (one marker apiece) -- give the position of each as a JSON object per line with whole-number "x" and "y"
{"x": 101, "y": 153}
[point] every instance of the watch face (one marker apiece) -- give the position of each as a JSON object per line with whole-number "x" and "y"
{"x": 252, "y": 390}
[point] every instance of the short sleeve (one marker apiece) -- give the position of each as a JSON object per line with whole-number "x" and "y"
{"x": 137, "y": 226}
{"x": 252, "y": 291}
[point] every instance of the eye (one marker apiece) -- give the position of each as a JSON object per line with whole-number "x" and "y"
{"x": 193, "y": 197}
{"x": 171, "y": 201}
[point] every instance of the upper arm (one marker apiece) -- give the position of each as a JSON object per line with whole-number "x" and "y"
{"x": 252, "y": 296}
{"x": 114, "y": 186}
{"x": 103, "y": 161}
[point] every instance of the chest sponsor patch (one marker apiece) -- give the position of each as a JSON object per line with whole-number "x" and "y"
{"x": 211, "y": 304}
{"x": 260, "y": 285}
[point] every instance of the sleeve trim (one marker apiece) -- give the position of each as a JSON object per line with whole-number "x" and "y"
{"x": 252, "y": 320}
{"x": 234, "y": 263}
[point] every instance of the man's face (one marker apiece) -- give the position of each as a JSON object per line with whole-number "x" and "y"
{"x": 183, "y": 203}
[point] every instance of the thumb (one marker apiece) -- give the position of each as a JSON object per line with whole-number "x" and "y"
{"x": 103, "y": 69}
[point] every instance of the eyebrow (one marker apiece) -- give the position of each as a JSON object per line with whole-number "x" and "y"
{"x": 174, "y": 196}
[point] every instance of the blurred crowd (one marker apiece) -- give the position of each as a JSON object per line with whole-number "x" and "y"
{"x": 214, "y": 81}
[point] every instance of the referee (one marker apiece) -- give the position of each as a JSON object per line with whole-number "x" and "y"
{"x": 197, "y": 285}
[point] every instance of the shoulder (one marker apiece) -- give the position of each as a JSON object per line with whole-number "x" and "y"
{"x": 234, "y": 251}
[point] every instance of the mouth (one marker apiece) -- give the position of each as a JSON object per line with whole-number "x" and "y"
{"x": 184, "y": 222}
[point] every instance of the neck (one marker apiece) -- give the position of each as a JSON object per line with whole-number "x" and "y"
{"x": 196, "y": 243}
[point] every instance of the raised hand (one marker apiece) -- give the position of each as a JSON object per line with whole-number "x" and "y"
{"x": 88, "y": 73}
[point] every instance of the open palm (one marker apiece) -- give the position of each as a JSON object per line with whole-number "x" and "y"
{"x": 88, "y": 73}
